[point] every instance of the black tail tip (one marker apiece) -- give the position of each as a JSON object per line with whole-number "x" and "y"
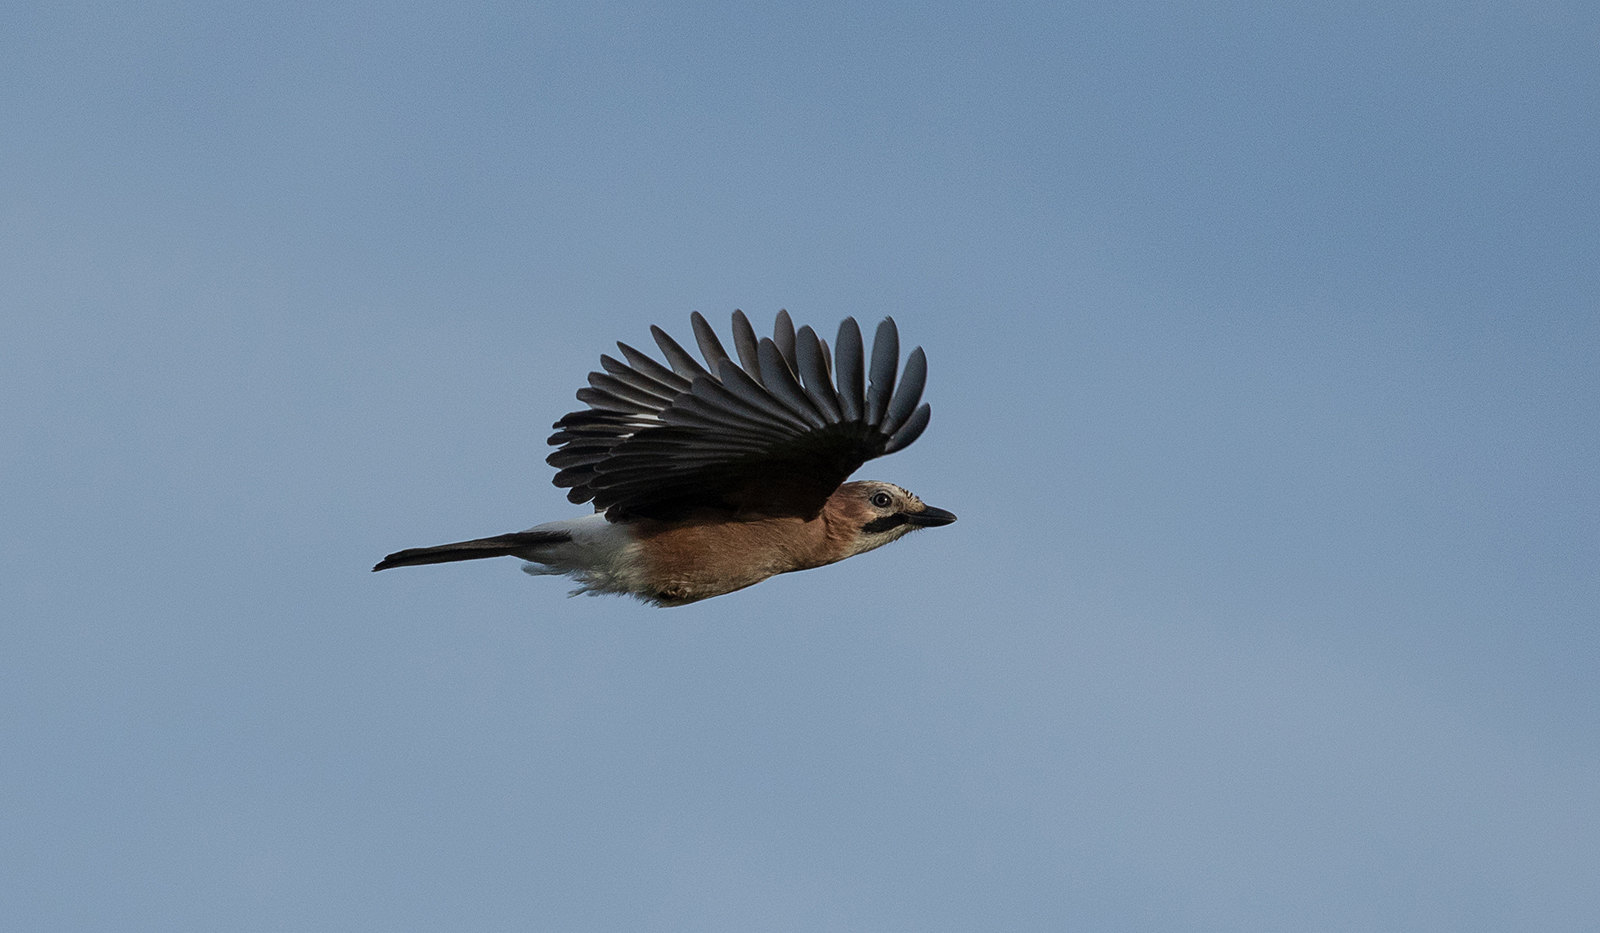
{"x": 390, "y": 562}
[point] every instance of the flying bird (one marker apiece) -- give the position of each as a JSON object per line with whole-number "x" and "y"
{"x": 707, "y": 479}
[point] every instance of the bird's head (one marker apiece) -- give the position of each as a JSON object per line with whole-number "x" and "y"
{"x": 874, "y": 513}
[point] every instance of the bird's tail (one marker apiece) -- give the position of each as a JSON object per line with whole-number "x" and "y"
{"x": 515, "y": 544}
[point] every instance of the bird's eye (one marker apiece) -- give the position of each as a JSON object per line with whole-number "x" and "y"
{"x": 882, "y": 500}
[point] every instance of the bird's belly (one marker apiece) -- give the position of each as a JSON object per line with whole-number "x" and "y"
{"x": 686, "y": 563}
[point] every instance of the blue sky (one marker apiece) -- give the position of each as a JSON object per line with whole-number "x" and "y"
{"x": 1262, "y": 348}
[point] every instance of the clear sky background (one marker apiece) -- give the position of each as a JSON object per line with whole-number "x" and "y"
{"x": 1264, "y": 347}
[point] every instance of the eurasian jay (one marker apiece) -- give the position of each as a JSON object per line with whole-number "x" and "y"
{"x": 708, "y": 479}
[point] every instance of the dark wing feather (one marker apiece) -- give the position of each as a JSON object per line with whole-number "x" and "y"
{"x": 744, "y": 340}
{"x": 623, "y": 373}
{"x": 913, "y": 429}
{"x": 885, "y": 359}
{"x": 849, "y": 369}
{"x": 772, "y": 434}
{"x": 908, "y": 393}
{"x": 649, "y": 367}
{"x": 813, "y": 357}
{"x": 783, "y": 336}
{"x": 780, "y": 381}
{"x": 682, "y": 363}
{"x": 739, "y": 392}
{"x": 710, "y": 347}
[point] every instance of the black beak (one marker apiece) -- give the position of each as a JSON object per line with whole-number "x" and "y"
{"x": 929, "y": 517}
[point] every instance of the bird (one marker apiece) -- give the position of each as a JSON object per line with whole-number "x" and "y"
{"x": 706, "y": 479}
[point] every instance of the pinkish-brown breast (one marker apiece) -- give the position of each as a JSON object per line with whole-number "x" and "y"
{"x": 688, "y": 561}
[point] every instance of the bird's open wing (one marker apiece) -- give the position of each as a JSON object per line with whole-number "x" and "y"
{"x": 772, "y": 434}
